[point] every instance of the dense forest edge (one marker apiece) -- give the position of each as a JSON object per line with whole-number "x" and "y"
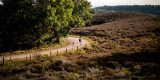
{"x": 33, "y": 23}
{"x": 150, "y": 9}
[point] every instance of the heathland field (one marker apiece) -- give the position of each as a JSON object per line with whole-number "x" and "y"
{"x": 124, "y": 46}
{"x": 127, "y": 45}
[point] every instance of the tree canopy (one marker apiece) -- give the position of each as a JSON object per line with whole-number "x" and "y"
{"x": 30, "y": 23}
{"x": 81, "y": 13}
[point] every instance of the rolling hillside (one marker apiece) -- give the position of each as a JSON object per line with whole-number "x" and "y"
{"x": 150, "y": 9}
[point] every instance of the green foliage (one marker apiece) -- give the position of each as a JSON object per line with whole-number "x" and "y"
{"x": 30, "y": 23}
{"x": 17, "y": 21}
{"x": 81, "y": 14}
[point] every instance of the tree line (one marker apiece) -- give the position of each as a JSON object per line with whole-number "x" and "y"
{"x": 31, "y": 23}
{"x": 151, "y": 9}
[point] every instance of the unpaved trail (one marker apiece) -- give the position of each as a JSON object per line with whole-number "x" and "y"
{"x": 73, "y": 43}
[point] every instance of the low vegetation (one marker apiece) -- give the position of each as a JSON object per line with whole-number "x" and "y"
{"x": 124, "y": 48}
{"x": 127, "y": 46}
{"x": 150, "y": 9}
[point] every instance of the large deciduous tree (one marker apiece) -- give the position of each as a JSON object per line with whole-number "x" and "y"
{"x": 82, "y": 13}
{"x": 29, "y": 23}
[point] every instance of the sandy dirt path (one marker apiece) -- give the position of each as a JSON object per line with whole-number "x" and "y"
{"x": 73, "y": 43}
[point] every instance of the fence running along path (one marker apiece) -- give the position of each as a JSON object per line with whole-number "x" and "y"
{"x": 74, "y": 44}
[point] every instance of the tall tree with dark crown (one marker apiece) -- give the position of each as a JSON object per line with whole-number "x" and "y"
{"x": 29, "y": 23}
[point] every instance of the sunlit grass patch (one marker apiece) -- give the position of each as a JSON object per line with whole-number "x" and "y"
{"x": 62, "y": 43}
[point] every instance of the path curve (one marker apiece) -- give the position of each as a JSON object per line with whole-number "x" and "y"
{"x": 73, "y": 43}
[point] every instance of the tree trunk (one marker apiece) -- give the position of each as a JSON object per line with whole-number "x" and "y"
{"x": 58, "y": 40}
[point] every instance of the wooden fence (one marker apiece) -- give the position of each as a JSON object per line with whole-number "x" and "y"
{"x": 30, "y": 56}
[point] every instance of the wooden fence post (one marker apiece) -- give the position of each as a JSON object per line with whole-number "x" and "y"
{"x": 57, "y": 52}
{"x": 66, "y": 50}
{"x": 3, "y": 61}
{"x": 26, "y": 56}
{"x": 77, "y": 48}
{"x": 30, "y": 57}
{"x": 50, "y": 53}
{"x": 10, "y": 57}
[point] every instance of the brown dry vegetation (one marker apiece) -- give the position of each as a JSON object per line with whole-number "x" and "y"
{"x": 126, "y": 47}
{"x": 131, "y": 33}
{"x": 125, "y": 41}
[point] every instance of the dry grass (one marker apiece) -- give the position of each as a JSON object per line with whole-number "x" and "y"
{"x": 132, "y": 30}
{"x": 63, "y": 43}
{"x": 136, "y": 36}
{"x": 125, "y": 48}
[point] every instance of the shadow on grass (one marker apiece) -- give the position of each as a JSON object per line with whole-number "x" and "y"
{"x": 144, "y": 64}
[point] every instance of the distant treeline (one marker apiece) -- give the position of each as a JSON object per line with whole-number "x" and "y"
{"x": 151, "y": 9}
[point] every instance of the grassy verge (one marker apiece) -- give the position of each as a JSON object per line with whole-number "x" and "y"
{"x": 16, "y": 64}
{"x": 43, "y": 60}
{"x": 23, "y": 62}
{"x": 63, "y": 43}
